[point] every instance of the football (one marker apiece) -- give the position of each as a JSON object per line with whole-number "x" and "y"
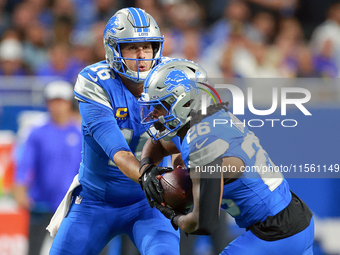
{"x": 177, "y": 188}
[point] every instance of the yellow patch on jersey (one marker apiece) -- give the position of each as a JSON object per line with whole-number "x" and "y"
{"x": 121, "y": 113}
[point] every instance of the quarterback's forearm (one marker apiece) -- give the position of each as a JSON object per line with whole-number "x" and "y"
{"x": 128, "y": 164}
{"x": 101, "y": 124}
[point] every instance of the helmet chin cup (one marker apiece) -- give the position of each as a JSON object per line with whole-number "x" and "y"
{"x": 169, "y": 136}
{"x": 138, "y": 77}
{"x": 161, "y": 128}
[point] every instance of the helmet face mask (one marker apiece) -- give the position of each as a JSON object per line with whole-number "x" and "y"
{"x": 170, "y": 94}
{"x": 131, "y": 25}
{"x": 157, "y": 115}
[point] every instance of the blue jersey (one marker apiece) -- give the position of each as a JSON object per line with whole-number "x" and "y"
{"x": 256, "y": 194}
{"x": 112, "y": 124}
{"x": 111, "y": 203}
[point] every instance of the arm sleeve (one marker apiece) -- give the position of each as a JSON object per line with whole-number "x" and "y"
{"x": 103, "y": 127}
{"x": 25, "y": 159}
{"x": 209, "y": 201}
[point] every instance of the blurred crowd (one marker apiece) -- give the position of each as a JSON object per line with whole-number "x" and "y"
{"x": 230, "y": 38}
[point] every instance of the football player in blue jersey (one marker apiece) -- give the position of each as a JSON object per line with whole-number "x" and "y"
{"x": 277, "y": 221}
{"x": 109, "y": 200}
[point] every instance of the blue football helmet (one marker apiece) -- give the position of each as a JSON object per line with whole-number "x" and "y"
{"x": 131, "y": 25}
{"x": 171, "y": 88}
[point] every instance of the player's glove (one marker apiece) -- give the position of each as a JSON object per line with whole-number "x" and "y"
{"x": 151, "y": 185}
{"x": 170, "y": 214}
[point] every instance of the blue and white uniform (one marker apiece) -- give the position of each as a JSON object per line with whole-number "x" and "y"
{"x": 108, "y": 203}
{"x": 254, "y": 198}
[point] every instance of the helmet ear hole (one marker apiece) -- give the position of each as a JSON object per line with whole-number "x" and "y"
{"x": 111, "y": 42}
{"x": 187, "y": 104}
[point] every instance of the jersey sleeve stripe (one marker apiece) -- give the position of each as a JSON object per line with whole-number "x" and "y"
{"x": 92, "y": 91}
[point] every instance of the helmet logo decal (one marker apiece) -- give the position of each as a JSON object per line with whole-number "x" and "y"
{"x": 176, "y": 78}
{"x": 114, "y": 23}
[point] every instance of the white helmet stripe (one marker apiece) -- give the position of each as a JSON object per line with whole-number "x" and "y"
{"x": 133, "y": 15}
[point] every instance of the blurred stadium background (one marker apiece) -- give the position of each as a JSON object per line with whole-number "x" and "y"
{"x": 45, "y": 40}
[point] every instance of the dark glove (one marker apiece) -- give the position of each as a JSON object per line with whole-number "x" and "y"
{"x": 170, "y": 214}
{"x": 151, "y": 185}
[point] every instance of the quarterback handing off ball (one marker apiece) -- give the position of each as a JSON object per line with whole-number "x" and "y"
{"x": 177, "y": 188}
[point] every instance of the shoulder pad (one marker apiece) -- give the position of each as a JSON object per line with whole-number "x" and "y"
{"x": 91, "y": 82}
{"x": 98, "y": 72}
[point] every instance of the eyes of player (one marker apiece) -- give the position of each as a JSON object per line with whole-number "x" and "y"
{"x": 146, "y": 48}
{"x": 158, "y": 111}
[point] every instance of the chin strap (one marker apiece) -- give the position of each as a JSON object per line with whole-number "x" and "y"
{"x": 174, "y": 133}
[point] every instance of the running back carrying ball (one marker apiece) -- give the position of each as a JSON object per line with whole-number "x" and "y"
{"x": 177, "y": 188}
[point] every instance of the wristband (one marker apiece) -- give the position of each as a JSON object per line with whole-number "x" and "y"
{"x": 144, "y": 161}
{"x": 174, "y": 221}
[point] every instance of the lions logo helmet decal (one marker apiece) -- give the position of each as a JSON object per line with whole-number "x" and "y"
{"x": 114, "y": 23}
{"x": 177, "y": 78}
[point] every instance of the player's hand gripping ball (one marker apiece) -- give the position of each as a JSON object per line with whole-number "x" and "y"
{"x": 177, "y": 189}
